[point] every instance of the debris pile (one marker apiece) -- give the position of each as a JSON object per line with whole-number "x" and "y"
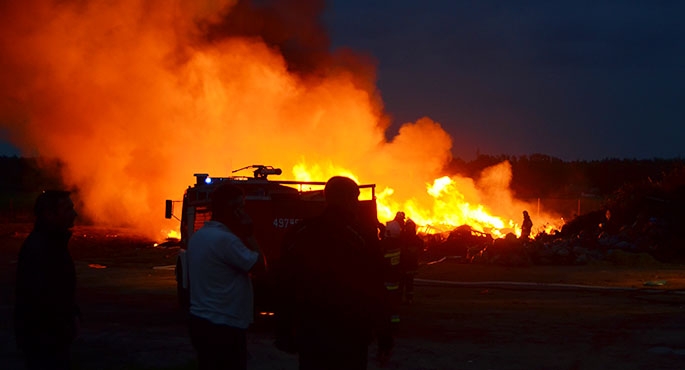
{"x": 638, "y": 224}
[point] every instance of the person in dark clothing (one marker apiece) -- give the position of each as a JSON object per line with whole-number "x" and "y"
{"x": 331, "y": 286}
{"x": 47, "y": 318}
{"x": 410, "y": 248}
{"x": 526, "y": 227}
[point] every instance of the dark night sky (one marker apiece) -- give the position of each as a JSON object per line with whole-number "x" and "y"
{"x": 575, "y": 79}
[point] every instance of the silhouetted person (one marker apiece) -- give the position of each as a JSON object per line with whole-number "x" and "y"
{"x": 410, "y": 248}
{"x": 332, "y": 295}
{"x": 608, "y": 225}
{"x": 526, "y": 227}
{"x": 220, "y": 256}
{"x": 395, "y": 227}
{"x": 391, "y": 249}
{"x": 47, "y": 318}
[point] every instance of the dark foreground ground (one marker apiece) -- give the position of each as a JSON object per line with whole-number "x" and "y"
{"x": 627, "y": 316}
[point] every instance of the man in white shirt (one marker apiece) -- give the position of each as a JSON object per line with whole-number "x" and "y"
{"x": 220, "y": 256}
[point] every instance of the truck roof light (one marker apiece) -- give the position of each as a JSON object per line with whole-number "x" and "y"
{"x": 201, "y": 178}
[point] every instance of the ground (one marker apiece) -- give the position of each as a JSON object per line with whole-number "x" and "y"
{"x": 599, "y": 316}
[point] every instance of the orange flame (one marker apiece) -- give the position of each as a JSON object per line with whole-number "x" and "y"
{"x": 134, "y": 99}
{"x": 454, "y": 201}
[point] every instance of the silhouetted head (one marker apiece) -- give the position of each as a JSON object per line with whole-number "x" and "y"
{"x": 343, "y": 193}
{"x": 54, "y": 210}
{"x": 525, "y": 213}
{"x": 228, "y": 206}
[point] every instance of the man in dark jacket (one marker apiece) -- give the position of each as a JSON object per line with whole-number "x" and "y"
{"x": 332, "y": 287}
{"x": 46, "y": 315}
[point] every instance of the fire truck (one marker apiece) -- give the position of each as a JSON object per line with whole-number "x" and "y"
{"x": 273, "y": 205}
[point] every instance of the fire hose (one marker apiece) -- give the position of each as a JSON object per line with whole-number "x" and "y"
{"x": 662, "y": 296}
{"x": 537, "y": 286}
{"x": 540, "y": 286}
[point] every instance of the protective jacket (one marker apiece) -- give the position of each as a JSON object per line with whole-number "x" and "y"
{"x": 331, "y": 284}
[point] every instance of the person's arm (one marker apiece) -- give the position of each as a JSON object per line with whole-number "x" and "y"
{"x": 245, "y": 231}
{"x": 252, "y": 244}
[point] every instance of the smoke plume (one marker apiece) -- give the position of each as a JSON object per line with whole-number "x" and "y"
{"x": 136, "y": 96}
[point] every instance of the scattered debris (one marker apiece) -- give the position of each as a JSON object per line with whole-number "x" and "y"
{"x": 639, "y": 225}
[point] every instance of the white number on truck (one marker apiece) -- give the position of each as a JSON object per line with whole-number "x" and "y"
{"x": 282, "y": 223}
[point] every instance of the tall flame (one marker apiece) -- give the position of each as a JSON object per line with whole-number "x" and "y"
{"x": 134, "y": 97}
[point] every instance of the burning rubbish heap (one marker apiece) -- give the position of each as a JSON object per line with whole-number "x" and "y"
{"x": 639, "y": 223}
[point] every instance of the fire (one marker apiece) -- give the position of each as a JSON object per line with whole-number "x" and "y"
{"x": 446, "y": 208}
{"x": 452, "y": 209}
{"x": 134, "y": 99}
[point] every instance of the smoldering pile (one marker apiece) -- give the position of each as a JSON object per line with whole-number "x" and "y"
{"x": 639, "y": 224}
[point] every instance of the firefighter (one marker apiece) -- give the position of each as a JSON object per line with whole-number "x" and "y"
{"x": 391, "y": 249}
{"x": 394, "y": 228}
{"x": 526, "y": 226}
{"x": 331, "y": 290}
{"x": 410, "y": 248}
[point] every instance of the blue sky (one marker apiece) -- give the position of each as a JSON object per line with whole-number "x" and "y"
{"x": 572, "y": 79}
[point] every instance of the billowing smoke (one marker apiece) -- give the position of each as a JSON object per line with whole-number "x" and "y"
{"x": 136, "y": 96}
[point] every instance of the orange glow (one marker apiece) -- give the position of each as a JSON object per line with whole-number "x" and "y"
{"x": 449, "y": 202}
{"x": 134, "y": 99}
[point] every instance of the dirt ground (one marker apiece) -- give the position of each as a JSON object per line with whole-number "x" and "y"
{"x": 600, "y": 316}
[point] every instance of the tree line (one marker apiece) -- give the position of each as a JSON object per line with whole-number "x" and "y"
{"x": 544, "y": 176}
{"x": 533, "y": 176}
